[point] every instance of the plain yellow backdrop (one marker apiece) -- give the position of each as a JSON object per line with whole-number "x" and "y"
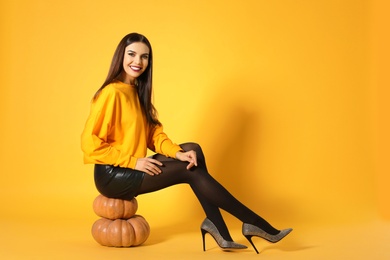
{"x": 289, "y": 100}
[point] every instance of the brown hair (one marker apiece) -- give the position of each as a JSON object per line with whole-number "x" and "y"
{"x": 144, "y": 81}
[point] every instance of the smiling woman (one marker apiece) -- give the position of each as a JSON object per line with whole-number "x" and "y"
{"x": 121, "y": 127}
{"x": 135, "y": 62}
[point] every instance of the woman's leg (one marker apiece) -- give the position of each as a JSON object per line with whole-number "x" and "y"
{"x": 170, "y": 178}
{"x": 211, "y": 194}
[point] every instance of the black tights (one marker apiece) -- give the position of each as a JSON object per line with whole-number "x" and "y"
{"x": 210, "y": 193}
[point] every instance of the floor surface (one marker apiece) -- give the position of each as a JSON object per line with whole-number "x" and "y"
{"x": 39, "y": 239}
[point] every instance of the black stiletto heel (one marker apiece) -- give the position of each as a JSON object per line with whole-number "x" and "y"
{"x": 249, "y": 237}
{"x": 209, "y": 227}
{"x": 203, "y": 238}
{"x": 249, "y": 231}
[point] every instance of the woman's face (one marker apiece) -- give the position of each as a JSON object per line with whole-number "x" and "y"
{"x": 135, "y": 62}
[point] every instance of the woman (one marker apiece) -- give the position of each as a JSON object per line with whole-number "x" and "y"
{"x": 123, "y": 124}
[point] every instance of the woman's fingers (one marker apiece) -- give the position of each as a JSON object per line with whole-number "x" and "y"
{"x": 189, "y": 156}
{"x": 190, "y": 165}
{"x": 191, "y": 159}
{"x": 154, "y": 161}
{"x": 149, "y": 166}
{"x": 195, "y": 160}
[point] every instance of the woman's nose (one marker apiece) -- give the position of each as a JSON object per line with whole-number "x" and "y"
{"x": 137, "y": 60}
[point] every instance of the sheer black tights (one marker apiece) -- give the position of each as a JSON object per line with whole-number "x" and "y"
{"x": 211, "y": 194}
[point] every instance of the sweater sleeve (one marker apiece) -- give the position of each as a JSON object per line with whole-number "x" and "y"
{"x": 160, "y": 143}
{"x": 97, "y": 128}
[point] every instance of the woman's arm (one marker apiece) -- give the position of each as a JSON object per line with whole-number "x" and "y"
{"x": 95, "y": 137}
{"x": 159, "y": 142}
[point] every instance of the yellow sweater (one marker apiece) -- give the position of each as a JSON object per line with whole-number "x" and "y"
{"x": 116, "y": 131}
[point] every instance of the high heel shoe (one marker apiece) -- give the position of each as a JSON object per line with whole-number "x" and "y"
{"x": 209, "y": 227}
{"x": 249, "y": 231}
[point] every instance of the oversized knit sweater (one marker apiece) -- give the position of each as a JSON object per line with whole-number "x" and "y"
{"x": 116, "y": 131}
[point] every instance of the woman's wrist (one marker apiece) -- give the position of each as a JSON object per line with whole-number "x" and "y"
{"x": 178, "y": 153}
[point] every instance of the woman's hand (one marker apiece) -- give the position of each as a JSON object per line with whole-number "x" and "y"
{"x": 189, "y": 156}
{"x": 149, "y": 166}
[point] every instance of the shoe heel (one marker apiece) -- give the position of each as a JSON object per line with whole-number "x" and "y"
{"x": 203, "y": 238}
{"x": 208, "y": 227}
{"x": 249, "y": 237}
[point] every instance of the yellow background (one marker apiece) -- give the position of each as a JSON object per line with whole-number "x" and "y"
{"x": 289, "y": 100}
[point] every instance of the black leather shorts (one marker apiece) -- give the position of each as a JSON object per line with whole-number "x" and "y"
{"x": 117, "y": 182}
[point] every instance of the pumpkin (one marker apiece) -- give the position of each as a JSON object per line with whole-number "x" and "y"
{"x": 121, "y": 232}
{"x": 141, "y": 229}
{"x": 114, "y": 208}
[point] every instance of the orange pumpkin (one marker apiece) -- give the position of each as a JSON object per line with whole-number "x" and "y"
{"x": 114, "y": 208}
{"x": 121, "y": 232}
{"x": 141, "y": 229}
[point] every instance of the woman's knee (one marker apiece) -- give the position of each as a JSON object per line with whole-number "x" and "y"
{"x": 199, "y": 153}
{"x": 192, "y": 146}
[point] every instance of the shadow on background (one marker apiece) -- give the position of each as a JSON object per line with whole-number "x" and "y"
{"x": 233, "y": 149}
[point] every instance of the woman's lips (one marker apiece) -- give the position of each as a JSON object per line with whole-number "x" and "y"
{"x": 135, "y": 68}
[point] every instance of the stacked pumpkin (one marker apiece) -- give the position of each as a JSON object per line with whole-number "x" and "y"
{"x": 119, "y": 226}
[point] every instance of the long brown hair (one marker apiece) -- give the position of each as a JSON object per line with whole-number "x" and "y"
{"x": 144, "y": 81}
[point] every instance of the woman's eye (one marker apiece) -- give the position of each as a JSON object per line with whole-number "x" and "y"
{"x": 145, "y": 57}
{"x": 131, "y": 54}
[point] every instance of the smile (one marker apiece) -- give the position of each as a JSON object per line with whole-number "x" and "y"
{"x": 135, "y": 68}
